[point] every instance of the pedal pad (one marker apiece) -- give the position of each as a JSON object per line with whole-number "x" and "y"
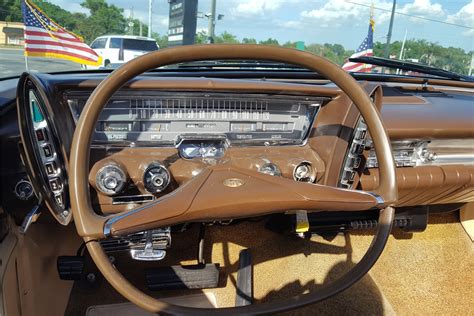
{"x": 244, "y": 279}
{"x": 70, "y": 267}
{"x": 200, "y": 276}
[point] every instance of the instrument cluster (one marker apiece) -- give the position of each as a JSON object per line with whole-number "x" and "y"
{"x": 213, "y": 120}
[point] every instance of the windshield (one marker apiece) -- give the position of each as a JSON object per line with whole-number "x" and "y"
{"x": 81, "y": 35}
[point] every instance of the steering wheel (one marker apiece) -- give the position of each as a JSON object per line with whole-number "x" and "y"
{"x": 224, "y": 191}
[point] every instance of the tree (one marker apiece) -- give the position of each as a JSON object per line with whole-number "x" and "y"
{"x": 289, "y": 44}
{"x": 226, "y": 37}
{"x": 66, "y": 19}
{"x": 270, "y": 41}
{"x": 161, "y": 40}
{"x": 10, "y": 10}
{"x": 246, "y": 40}
{"x": 103, "y": 19}
{"x": 200, "y": 38}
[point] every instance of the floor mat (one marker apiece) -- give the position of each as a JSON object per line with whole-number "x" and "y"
{"x": 205, "y": 300}
{"x": 423, "y": 273}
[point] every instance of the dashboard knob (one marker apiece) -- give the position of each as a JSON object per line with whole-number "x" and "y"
{"x": 304, "y": 172}
{"x": 111, "y": 179}
{"x": 156, "y": 178}
{"x": 24, "y": 190}
{"x": 270, "y": 168}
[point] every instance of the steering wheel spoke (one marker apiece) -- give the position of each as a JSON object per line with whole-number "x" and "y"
{"x": 226, "y": 192}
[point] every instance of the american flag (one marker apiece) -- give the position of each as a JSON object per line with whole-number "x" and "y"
{"x": 45, "y": 38}
{"x": 365, "y": 49}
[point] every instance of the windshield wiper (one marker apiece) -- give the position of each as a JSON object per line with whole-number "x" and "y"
{"x": 410, "y": 66}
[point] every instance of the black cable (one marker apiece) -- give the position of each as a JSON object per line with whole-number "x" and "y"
{"x": 82, "y": 247}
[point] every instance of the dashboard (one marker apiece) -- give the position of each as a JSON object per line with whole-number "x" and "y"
{"x": 150, "y": 139}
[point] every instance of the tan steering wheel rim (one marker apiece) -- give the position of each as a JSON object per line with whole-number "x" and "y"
{"x": 91, "y": 226}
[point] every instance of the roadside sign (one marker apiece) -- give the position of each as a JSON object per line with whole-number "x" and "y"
{"x": 182, "y": 22}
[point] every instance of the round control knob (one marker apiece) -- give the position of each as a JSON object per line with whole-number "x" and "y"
{"x": 156, "y": 178}
{"x": 270, "y": 168}
{"x": 304, "y": 172}
{"x": 23, "y": 190}
{"x": 111, "y": 179}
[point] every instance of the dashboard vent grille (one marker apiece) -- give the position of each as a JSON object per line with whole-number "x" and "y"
{"x": 160, "y": 239}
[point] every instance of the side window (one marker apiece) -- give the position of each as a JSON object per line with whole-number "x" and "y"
{"x": 99, "y": 43}
{"x": 115, "y": 42}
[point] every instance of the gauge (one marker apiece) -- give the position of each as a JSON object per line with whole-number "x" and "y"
{"x": 193, "y": 147}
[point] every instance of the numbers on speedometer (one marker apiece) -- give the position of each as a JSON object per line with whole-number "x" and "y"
{"x": 161, "y": 118}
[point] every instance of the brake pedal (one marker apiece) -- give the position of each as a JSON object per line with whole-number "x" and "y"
{"x": 70, "y": 267}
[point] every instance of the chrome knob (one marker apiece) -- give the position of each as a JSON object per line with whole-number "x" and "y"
{"x": 156, "y": 178}
{"x": 110, "y": 182}
{"x": 24, "y": 190}
{"x": 270, "y": 168}
{"x": 304, "y": 172}
{"x": 111, "y": 179}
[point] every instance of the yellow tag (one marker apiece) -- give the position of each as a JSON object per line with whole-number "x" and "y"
{"x": 302, "y": 223}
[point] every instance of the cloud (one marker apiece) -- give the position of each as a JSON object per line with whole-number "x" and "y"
{"x": 465, "y": 16}
{"x": 256, "y": 7}
{"x": 339, "y": 12}
{"x": 297, "y": 25}
{"x": 424, "y": 8}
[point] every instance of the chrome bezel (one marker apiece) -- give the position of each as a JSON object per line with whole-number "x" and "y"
{"x": 121, "y": 183}
{"x": 166, "y": 181}
{"x": 312, "y": 176}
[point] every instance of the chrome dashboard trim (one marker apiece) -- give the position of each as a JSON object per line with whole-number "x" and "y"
{"x": 379, "y": 199}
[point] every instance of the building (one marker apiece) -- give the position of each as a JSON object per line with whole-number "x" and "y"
{"x": 11, "y": 33}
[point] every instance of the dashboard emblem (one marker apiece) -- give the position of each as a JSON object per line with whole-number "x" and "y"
{"x": 234, "y": 182}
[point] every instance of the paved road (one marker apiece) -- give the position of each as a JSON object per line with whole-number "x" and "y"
{"x": 12, "y": 62}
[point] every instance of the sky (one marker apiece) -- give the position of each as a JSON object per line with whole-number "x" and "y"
{"x": 316, "y": 21}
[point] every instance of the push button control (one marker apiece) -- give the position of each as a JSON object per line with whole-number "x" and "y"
{"x": 47, "y": 151}
{"x": 55, "y": 184}
{"x": 50, "y": 168}
{"x": 41, "y": 135}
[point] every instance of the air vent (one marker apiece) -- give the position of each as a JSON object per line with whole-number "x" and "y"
{"x": 160, "y": 239}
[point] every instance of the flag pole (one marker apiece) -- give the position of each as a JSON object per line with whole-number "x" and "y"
{"x": 23, "y": 4}
{"x": 24, "y": 53}
{"x": 472, "y": 64}
{"x": 402, "y": 49}
{"x": 26, "y": 62}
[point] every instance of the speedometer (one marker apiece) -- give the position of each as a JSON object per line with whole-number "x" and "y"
{"x": 163, "y": 118}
